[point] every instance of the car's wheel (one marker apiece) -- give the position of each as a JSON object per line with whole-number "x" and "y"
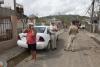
{"x": 48, "y": 46}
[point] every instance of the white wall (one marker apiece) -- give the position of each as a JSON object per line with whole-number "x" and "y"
{"x": 8, "y": 3}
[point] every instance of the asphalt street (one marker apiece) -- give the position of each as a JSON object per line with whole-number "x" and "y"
{"x": 87, "y": 54}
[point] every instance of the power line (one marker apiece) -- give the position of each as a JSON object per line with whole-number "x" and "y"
{"x": 87, "y": 11}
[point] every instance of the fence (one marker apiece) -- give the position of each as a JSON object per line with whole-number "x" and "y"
{"x": 5, "y": 29}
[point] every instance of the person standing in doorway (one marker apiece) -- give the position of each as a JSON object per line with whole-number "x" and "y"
{"x": 73, "y": 30}
{"x": 31, "y": 40}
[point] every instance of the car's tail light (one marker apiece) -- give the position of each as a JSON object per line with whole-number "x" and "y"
{"x": 18, "y": 37}
{"x": 41, "y": 39}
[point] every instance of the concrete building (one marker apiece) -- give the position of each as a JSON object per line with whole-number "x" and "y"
{"x": 8, "y": 32}
{"x": 22, "y": 19}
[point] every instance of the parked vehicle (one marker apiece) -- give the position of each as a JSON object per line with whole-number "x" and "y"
{"x": 82, "y": 27}
{"x": 42, "y": 38}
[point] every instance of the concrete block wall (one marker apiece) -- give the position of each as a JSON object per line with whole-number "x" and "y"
{"x": 5, "y": 45}
{"x": 4, "y": 12}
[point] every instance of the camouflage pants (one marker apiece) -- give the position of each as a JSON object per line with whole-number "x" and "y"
{"x": 70, "y": 45}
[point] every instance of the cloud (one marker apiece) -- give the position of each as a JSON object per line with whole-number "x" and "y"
{"x": 52, "y": 7}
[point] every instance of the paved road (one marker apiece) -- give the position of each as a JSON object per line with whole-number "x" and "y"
{"x": 87, "y": 54}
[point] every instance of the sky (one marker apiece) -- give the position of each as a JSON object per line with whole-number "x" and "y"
{"x": 54, "y": 7}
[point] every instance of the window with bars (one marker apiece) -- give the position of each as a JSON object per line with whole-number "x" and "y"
{"x": 5, "y": 29}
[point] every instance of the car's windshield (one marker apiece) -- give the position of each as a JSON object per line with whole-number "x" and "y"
{"x": 40, "y": 29}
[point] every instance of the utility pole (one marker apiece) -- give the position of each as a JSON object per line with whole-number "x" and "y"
{"x": 15, "y": 6}
{"x": 99, "y": 11}
{"x": 99, "y": 15}
{"x": 92, "y": 15}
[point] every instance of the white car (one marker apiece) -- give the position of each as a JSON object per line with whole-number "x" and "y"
{"x": 82, "y": 26}
{"x": 42, "y": 38}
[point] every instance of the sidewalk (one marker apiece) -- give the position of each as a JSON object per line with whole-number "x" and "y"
{"x": 11, "y": 53}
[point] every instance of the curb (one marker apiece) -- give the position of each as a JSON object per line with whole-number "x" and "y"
{"x": 11, "y": 53}
{"x": 93, "y": 36}
{"x": 96, "y": 40}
